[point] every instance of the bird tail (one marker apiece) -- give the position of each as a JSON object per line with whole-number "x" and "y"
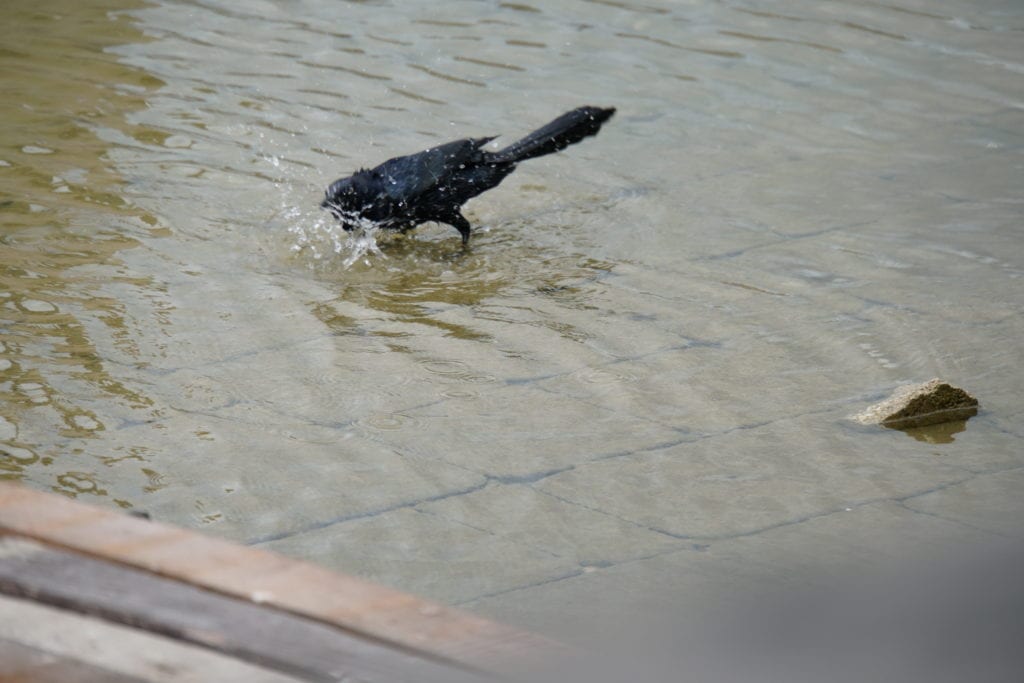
{"x": 567, "y": 129}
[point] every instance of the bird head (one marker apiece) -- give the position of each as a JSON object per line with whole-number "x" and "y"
{"x": 343, "y": 201}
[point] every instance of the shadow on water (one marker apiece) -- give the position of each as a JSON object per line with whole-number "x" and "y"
{"x": 64, "y": 223}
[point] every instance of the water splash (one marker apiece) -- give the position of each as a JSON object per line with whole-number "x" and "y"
{"x": 324, "y": 236}
{"x": 316, "y": 233}
{"x": 359, "y": 243}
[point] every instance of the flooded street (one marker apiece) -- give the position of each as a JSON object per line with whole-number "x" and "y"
{"x": 636, "y": 381}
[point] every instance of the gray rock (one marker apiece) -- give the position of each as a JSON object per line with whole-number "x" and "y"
{"x": 918, "y": 405}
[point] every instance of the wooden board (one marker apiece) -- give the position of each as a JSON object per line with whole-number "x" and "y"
{"x": 42, "y": 643}
{"x": 400, "y": 621}
{"x": 23, "y": 664}
{"x": 309, "y": 650}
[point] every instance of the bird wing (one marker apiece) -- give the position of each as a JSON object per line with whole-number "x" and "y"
{"x": 408, "y": 177}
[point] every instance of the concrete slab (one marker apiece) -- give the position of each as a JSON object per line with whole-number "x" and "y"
{"x": 828, "y": 551}
{"x": 485, "y": 436}
{"x": 518, "y": 514}
{"x": 992, "y": 502}
{"x": 739, "y": 482}
{"x": 416, "y": 550}
{"x": 225, "y": 488}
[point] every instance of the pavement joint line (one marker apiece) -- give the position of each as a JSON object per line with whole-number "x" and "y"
{"x": 364, "y": 515}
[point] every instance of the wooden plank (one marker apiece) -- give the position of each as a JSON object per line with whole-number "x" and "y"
{"x": 23, "y": 664}
{"x": 273, "y": 639}
{"x": 48, "y": 643}
{"x": 297, "y": 587}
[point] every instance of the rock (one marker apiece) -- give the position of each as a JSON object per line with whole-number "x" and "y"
{"x": 917, "y": 405}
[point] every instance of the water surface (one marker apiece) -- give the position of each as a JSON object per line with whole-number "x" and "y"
{"x": 640, "y": 373}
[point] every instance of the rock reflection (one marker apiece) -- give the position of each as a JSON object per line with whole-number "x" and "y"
{"x": 937, "y": 434}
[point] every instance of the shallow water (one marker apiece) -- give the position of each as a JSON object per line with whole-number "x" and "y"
{"x": 642, "y": 368}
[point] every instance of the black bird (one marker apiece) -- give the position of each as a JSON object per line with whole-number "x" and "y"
{"x": 433, "y": 185}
